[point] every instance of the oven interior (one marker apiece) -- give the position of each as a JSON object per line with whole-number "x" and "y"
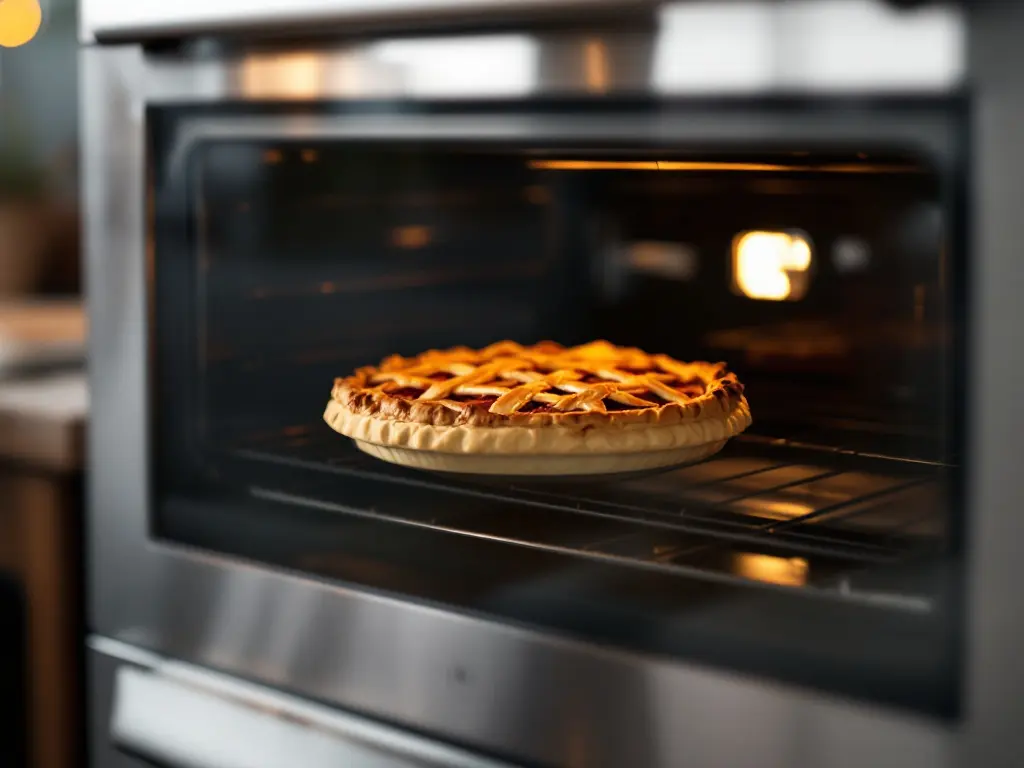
{"x": 818, "y": 548}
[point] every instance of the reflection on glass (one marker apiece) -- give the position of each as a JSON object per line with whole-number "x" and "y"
{"x": 466, "y": 65}
{"x": 291, "y": 75}
{"x": 649, "y": 165}
{"x": 715, "y": 165}
{"x": 596, "y": 65}
{"x": 777, "y": 510}
{"x": 410, "y": 237}
{"x": 787, "y": 571}
{"x": 671, "y": 261}
{"x": 771, "y": 266}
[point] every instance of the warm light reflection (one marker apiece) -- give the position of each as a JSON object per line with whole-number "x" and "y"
{"x": 410, "y": 237}
{"x": 282, "y": 76}
{"x": 675, "y": 261}
{"x": 787, "y": 571}
{"x": 595, "y": 57}
{"x": 782, "y": 510}
{"x": 869, "y": 168}
{"x": 593, "y": 165}
{"x": 648, "y": 165}
{"x": 771, "y": 265}
{"x": 19, "y": 21}
{"x": 537, "y": 195}
{"x": 687, "y": 165}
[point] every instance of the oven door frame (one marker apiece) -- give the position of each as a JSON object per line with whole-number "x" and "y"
{"x": 444, "y": 673}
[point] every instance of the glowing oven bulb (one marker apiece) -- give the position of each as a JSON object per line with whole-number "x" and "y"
{"x": 771, "y": 266}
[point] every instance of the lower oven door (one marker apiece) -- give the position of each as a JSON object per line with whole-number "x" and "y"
{"x": 787, "y": 604}
{"x": 176, "y": 715}
{"x": 145, "y": 709}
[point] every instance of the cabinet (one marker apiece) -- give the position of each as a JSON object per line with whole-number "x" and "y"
{"x": 41, "y": 436}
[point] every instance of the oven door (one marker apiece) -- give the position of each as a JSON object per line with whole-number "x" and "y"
{"x": 536, "y": 675}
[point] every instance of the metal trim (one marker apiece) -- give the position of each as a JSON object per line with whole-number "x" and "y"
{"x": 994, "y": 676}
{"x": 121, "y": 22}
{"x": 183, "y": 716}
{"x": 692, "y": 47}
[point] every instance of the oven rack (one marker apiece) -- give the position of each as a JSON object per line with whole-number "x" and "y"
{"x": 773, "y": 513}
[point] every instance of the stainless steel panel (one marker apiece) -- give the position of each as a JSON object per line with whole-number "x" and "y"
{"x": 994, "y": 704}
{"x": 691, "y": 47}
{"x": 498, "y": 688}
{"x": 182, "y": 716}
{"x": 114, "y": 209}
{"x": 149, "y": 17}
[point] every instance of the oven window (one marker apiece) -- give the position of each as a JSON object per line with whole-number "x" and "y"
{"x": 815, "y": 548}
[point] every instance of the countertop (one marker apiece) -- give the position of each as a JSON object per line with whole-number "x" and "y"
{"x": 42, "y": 420}
{"x": 43, "y": 392}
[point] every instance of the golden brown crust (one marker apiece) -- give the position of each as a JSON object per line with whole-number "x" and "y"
{"x": 359, "y": 395}
{"x": 549, "y": 440}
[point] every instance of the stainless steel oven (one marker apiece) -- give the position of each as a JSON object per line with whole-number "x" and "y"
{"x": 279, "y": 192}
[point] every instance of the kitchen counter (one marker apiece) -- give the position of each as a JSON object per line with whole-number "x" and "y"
{"x": 42, "y": 425}
{"x": 42, "y": 421}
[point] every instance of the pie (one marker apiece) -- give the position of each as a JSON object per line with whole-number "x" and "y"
{"x": 544, "y": 409}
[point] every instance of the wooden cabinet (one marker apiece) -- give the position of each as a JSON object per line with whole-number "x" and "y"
{"x": 41, "y": 431}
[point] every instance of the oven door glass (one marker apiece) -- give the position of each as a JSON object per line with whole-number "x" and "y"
{"x": 819, "y": 547}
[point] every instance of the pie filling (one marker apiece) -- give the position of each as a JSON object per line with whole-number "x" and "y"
{"x": 651, "y": 399}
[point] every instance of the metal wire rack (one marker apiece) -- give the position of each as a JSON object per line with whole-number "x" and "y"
{"x": 768, "y": 512}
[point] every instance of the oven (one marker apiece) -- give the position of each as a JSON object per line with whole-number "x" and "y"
{"x": 819, "y": 194}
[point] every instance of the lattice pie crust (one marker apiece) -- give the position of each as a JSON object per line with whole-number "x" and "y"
{"x": 542, "y": 409}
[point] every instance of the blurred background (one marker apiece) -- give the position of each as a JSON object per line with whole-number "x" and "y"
{"x": 42, "y": 388}
{"x": 39, "y": 160}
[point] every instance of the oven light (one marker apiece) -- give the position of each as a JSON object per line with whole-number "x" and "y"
{"x": 648, "y": 165}
{"x": 711, "y": 165}
{"x": 771, "y": 266}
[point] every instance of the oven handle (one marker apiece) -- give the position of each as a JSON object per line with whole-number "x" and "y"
{"x": 180, "y": 716}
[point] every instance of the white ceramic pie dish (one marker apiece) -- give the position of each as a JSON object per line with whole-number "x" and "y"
{"x": 533, "y": 465}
